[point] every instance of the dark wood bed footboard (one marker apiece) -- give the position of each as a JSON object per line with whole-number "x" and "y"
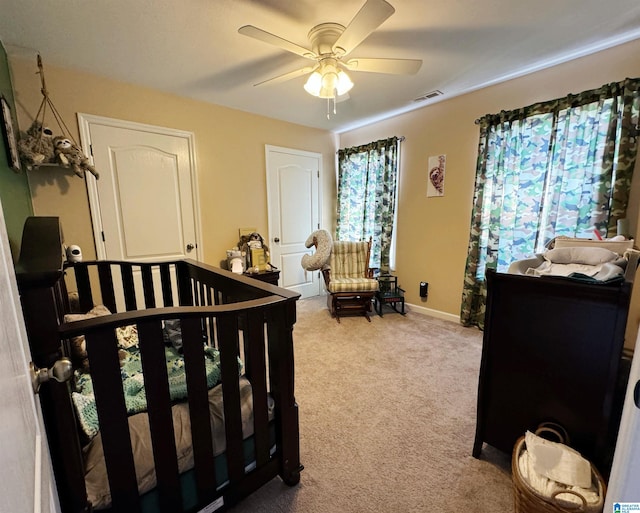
{"x": 240, "y": 317}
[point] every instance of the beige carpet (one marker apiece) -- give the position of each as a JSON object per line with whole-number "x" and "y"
{"x": 387, "y": 419}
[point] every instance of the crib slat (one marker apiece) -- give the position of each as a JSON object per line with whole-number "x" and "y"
{"x": 185, "y": 292}
{"x": 84, "y": 287}
{"x": 198, "y": 409}
{"x": 160, "y": 417}
{"x": 228, "y": 343}
{"x": 112, "y": 414}
{"x": 129, "y": 287}
{"x": 255, "y": 362}
{"x": 165, "y": 279}
{"x": 106, "y": 286}
{"x": 147, "y": 287}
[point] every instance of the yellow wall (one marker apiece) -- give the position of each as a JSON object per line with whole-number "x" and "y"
{"x": 230, "y": 152}
{"x": 433, "y": 232}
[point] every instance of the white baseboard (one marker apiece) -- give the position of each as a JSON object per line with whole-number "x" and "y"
{"x": 434, "y": 313}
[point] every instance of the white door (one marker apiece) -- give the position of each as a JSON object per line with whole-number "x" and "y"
{"x": 293, "y": 199}
{"x": 144, "y": 206}
{"x": 26, "y": 483}
{"x": 625, "y": 472}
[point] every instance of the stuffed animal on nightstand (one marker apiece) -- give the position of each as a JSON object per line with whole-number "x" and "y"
{"x": 69, "y": 155}
{"x": 35, "y": 145}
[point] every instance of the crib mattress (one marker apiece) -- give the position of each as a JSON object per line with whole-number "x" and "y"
{"x": 95, "y": 467}
{"x": 150, "y": 500}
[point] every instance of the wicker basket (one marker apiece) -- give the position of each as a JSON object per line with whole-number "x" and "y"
{"x": 528, "y": 500}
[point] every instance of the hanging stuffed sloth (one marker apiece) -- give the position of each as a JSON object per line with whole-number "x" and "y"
{"x": 35, "y": 145}
{"x": 69, "y": 155}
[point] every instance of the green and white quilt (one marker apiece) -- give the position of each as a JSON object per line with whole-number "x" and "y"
{"x": 133, "y": 384}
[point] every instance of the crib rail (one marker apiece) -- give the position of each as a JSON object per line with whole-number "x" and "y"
{"x": 156, "y": 284}
{"x": 232, "y": 311}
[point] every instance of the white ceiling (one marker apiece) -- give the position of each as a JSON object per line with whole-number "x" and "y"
{"x": 192, "y": 47}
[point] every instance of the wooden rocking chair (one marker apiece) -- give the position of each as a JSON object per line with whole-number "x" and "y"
{"x": 349, "y": 280}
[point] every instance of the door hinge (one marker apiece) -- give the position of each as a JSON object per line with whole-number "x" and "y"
{"x": 91, "y": 149}
{"x": 103, "y": 237}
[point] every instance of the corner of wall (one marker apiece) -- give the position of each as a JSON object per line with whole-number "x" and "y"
{"x": 14, "y": 186}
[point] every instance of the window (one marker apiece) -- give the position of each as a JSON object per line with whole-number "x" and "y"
{"x": 562, "y": 167}
{"x": 367, "y": 195}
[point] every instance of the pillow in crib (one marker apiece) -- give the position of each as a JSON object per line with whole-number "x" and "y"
{"x": 78, "y": 347}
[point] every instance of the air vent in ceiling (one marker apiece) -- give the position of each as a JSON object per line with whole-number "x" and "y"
{"x": 428, "y": 96}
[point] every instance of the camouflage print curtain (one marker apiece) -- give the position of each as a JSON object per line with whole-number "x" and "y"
{"x": 367, "y": 177}
{"x": 561, "y": 167}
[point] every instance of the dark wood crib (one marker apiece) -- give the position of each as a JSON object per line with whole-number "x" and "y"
{"x": 244, "y": 319}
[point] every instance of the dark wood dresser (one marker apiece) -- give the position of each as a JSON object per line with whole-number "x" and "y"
{"x": 552, "y": 351}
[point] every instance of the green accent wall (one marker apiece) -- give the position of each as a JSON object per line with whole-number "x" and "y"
{"x": 14, "y": 186}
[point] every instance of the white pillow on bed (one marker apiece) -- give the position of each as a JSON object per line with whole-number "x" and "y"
{"x": 580, "y": 255}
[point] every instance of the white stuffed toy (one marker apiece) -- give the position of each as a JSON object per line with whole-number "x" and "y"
{"x": 323, "y": 242}
{"x": 69, "y": 155}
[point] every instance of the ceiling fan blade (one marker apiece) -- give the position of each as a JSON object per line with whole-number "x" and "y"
{"x": 287, "y": 76}
{"x": 267, "y": 37}
{"x": 390, "y": 66}
{"x": 372, "y": 14}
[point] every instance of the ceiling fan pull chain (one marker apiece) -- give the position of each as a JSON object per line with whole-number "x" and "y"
{"x": 328, "y": 113}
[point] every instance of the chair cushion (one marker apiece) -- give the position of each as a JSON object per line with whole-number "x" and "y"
{"x": 352, "y": 285}
{"x": 348, "y": 259}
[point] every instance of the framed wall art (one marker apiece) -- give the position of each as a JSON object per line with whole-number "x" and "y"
{"x": 435, "y": 181}
{"x": 9, "y": 135}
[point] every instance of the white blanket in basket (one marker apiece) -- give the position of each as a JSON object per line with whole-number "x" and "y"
{"x": 569, "y": 470}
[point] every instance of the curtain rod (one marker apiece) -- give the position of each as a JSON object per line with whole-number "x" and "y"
{"x": 400, "y": 139}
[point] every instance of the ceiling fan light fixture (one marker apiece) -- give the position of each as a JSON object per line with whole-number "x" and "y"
{"x": 344, "y": 83}
{"x": 314, "y": 84}
{"x": 328, "y": 84}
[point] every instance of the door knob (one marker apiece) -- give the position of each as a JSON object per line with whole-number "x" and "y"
{"x": 190, "y": 247}
{"x": 277, "y": 239}
{"x": 61, "y": 371}
{"x": 636, "y": 394}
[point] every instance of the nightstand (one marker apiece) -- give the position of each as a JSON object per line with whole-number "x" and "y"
{"x": 267, "y": 276}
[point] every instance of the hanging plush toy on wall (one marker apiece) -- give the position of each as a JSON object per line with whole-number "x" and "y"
{"x": 36, "y": 145}
{"x": 67, "y": 154}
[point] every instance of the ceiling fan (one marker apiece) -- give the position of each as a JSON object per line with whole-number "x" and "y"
{"x": 330, "y": 44}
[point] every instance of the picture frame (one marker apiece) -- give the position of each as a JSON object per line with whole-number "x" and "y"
{"x": 436, "y": 175}
{"x": 9, "y": 135}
